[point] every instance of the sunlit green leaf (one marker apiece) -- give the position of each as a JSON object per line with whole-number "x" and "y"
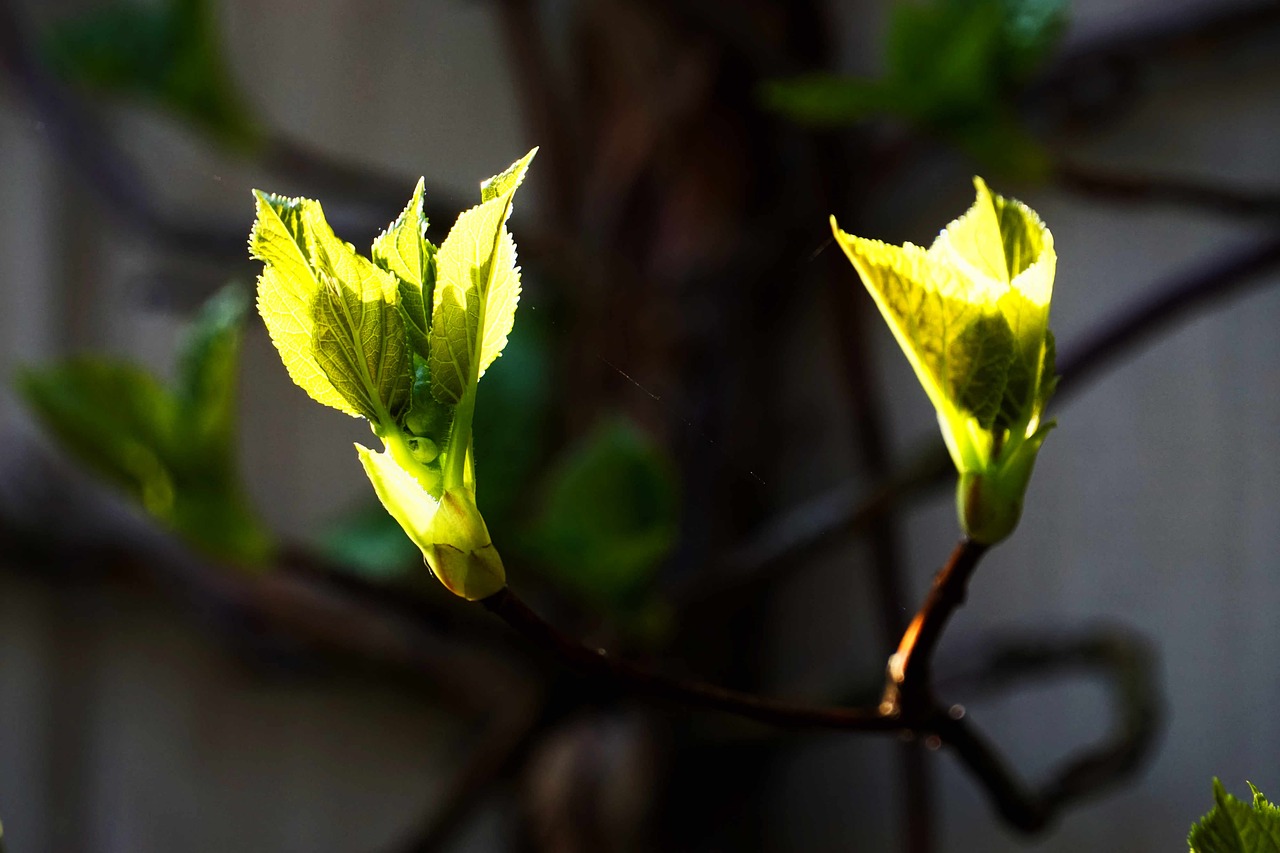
{"x": 331, "y": 313}
{"x": 1233, "y": 826}
{"x": 477, "y": 289}
{"x": 971, "y": 314}
{"x": 404, "y": 251}
{"x": 402, "y": 340}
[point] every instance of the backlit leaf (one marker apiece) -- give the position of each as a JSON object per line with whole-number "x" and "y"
{"x": 971, "y": 314}
{"x": 404, "y": 251}
{"x": 331, "y": 313}
{"x": 477, "y": 289}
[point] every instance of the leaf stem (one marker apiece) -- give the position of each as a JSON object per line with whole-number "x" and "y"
{"x": 455, "y": 474}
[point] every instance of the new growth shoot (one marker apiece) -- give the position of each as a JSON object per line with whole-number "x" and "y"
{"x": 402, "y": 339}
{"x": 971, "y": 313}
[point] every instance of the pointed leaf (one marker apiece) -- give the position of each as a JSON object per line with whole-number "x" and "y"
{"x": 1234, "y": 826}
{"x": 507, "y": 181}
{"x": 287, "y": 292}
{"x": 331, "y": 313}
{"x": 477, "y": 288}
{"x": 929, "y": 309}
{"x": 404, "y": 251}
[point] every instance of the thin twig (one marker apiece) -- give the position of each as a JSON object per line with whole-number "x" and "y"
{"x": 615, "y": 673}
{"x": 1147, "y": 189}
{"x": 909, "y": 681}
{"x": 909, "y": 707}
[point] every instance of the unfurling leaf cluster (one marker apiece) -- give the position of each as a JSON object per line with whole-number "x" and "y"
{"x": 170, "y": 448}
{"x": 971, "y": 313}
{"x": 401, "y": 339}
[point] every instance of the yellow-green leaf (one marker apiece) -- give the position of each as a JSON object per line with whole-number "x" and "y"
{"x": 971, "y": 313}
{"x": 331, "y": 312}
{"x": 287, "y": 292}
{"x": 477, "y": 288}
{"x": 404, "y": 251}
{"x": 507, "y": 181}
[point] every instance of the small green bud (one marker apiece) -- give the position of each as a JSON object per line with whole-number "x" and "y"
{"x": 461, "y": 553}
{"x": 986, "y": 515}
{"x": 424, "y": 450}
{"x": 449, "y": 529}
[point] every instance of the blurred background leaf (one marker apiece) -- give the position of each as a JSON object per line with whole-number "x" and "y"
{"x": 953, "y": 70}
{"x": 170, "y": 450}
{"x": 168, "y": 53}
{"x": 608, "y": 515}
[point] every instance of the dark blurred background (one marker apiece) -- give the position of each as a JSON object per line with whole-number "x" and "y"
{"x": 678, "y": 448}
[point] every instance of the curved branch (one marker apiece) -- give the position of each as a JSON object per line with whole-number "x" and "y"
{"x": 1125, "y": 661}
{"x": 909, "y": 706}
{"x": 1131, "y": 188}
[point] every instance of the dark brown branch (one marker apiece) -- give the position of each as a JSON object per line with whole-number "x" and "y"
{"x": 1124, "y": 661}
{"x": 1033, "y": 810}
{"x": 1166, "y": 304}
{"x": 1137, "y": 188}
{"x": 613, "y": 673}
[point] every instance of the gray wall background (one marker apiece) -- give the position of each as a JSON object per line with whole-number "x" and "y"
{"x": 125, "y": 727}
